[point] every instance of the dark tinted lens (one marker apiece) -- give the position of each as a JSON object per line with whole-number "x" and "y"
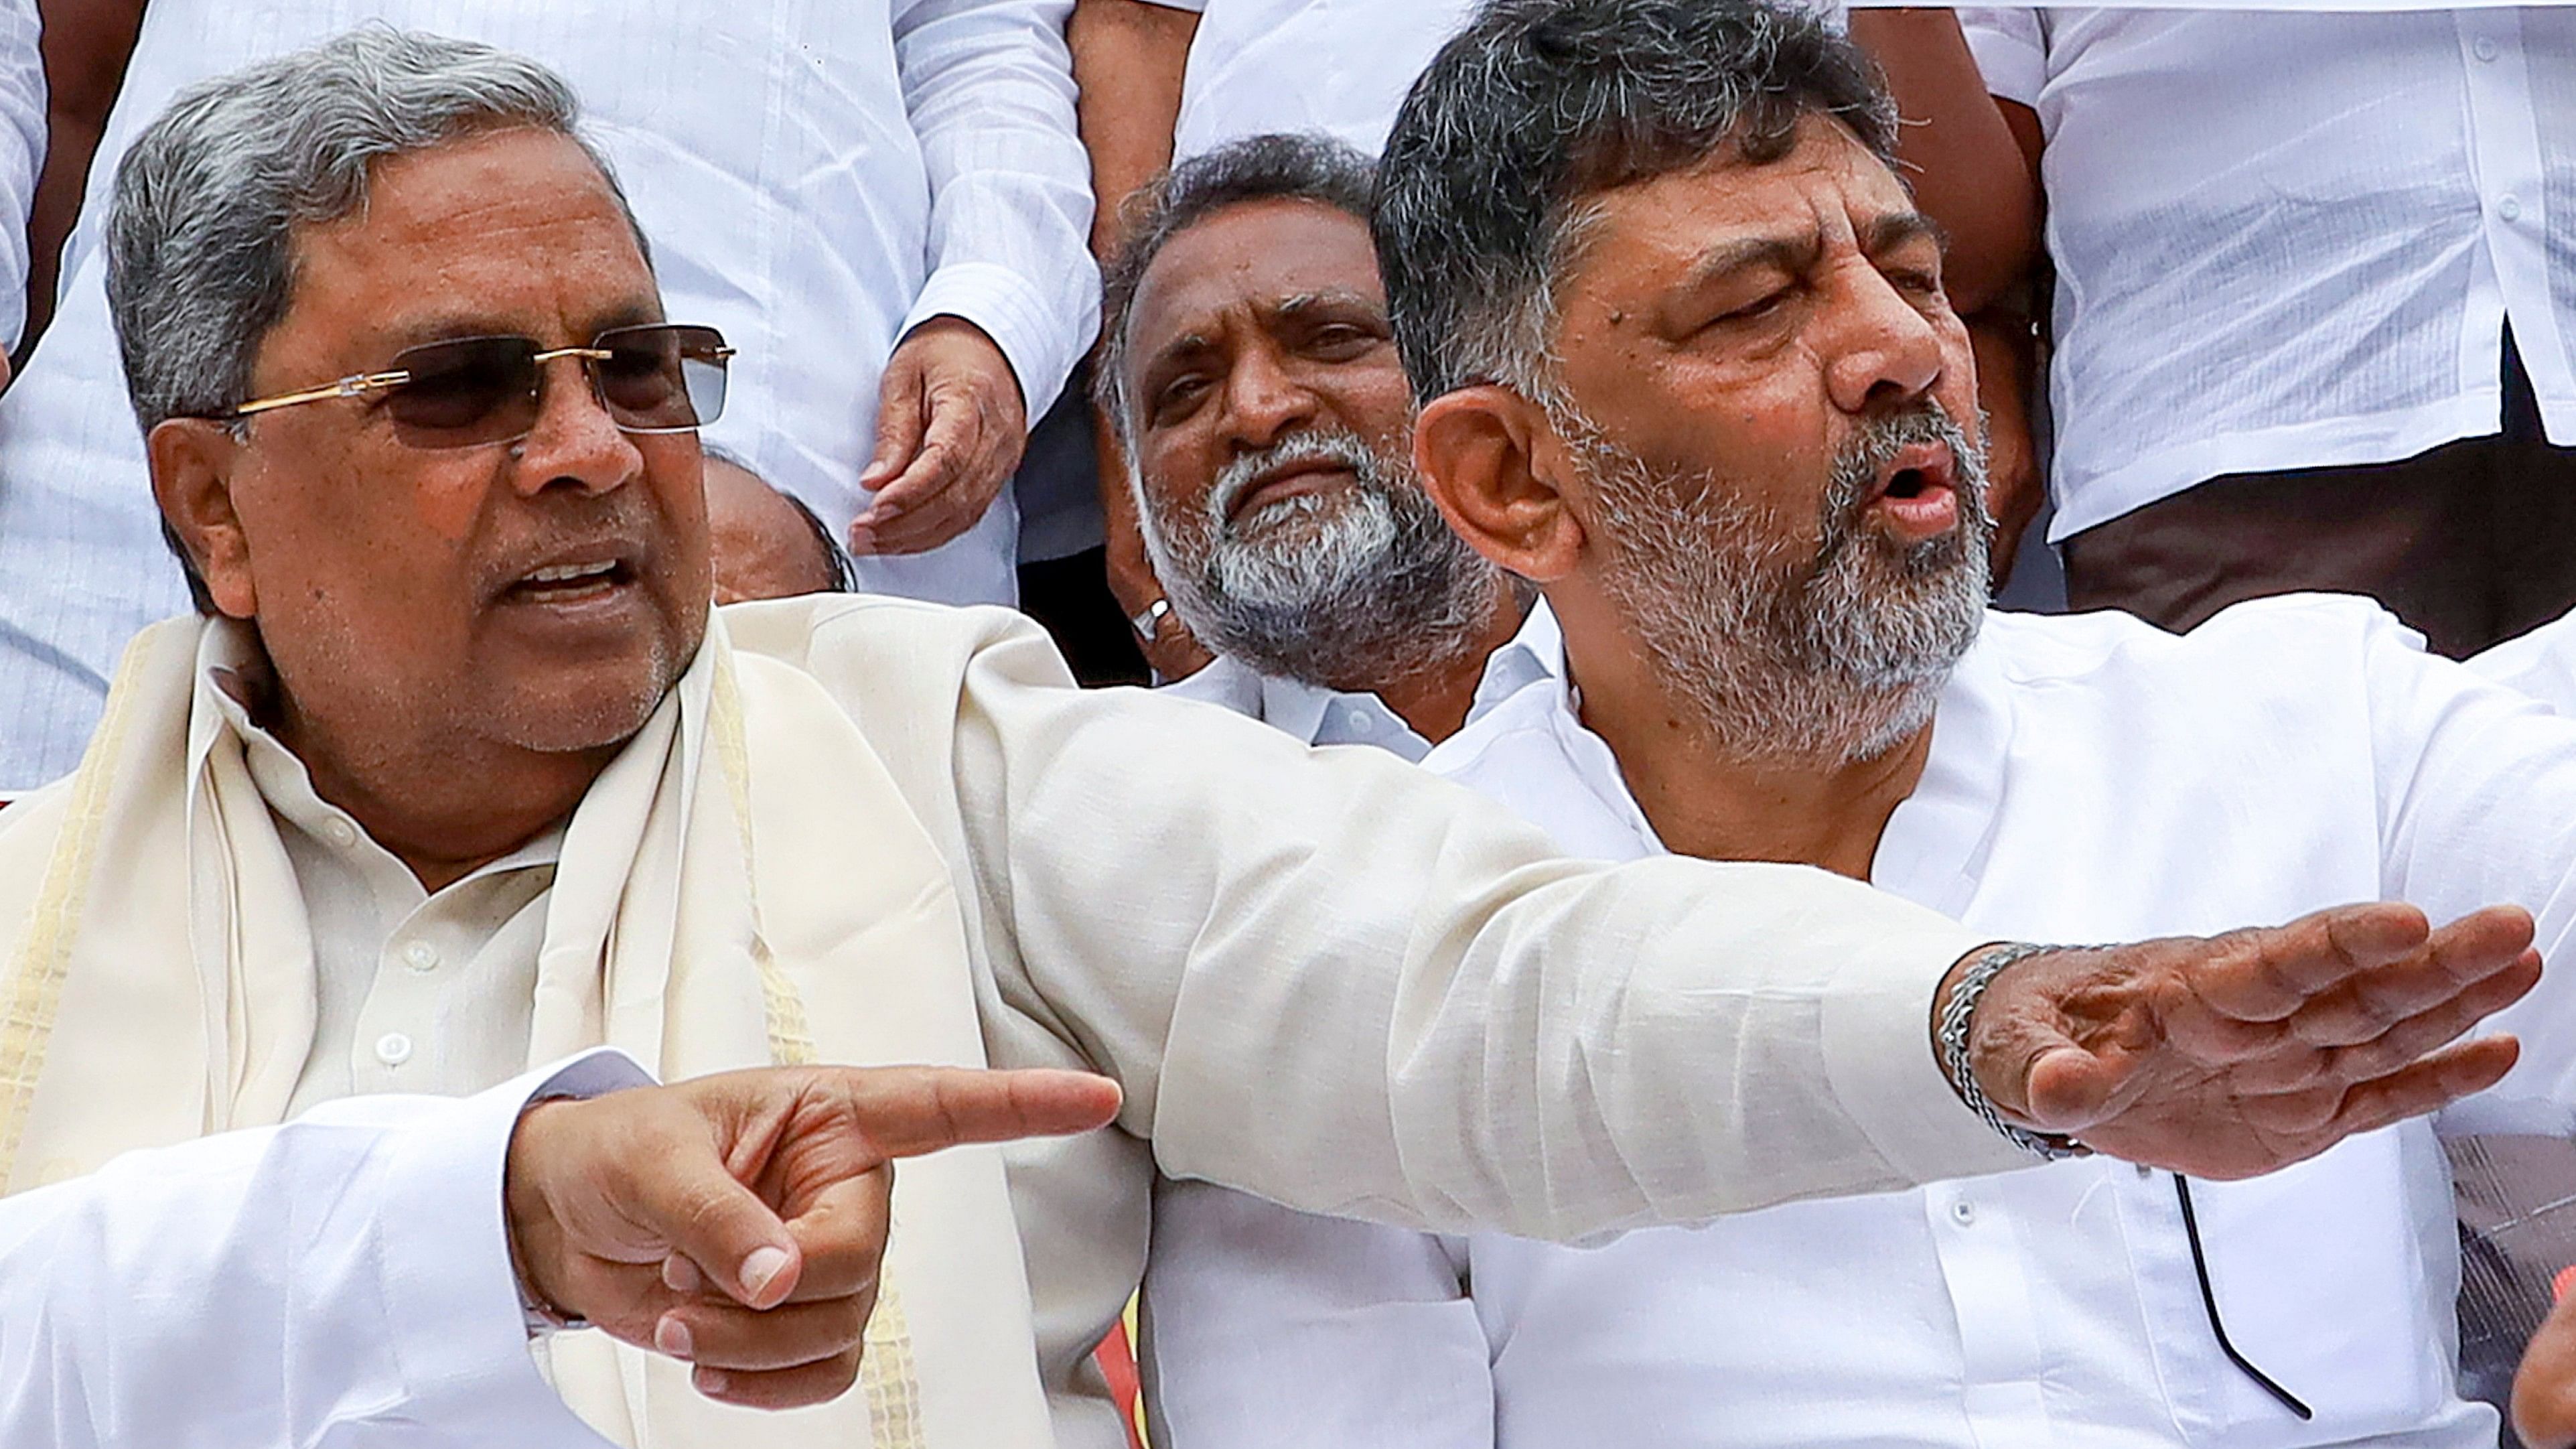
{"x": 471, "y": 390}
{"x": 661, "y": 378}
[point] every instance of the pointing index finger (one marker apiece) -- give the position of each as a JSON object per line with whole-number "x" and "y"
{"x": 909, "y": 1111}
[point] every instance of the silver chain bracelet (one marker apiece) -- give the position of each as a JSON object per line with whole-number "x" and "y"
{"x": 1952, "y": 1039}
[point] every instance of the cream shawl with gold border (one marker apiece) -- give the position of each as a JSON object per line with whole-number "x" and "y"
{"x": 751, "y": 890}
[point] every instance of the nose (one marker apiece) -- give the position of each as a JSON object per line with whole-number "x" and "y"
{"x": 575, "y": 442}
{"x": 1263, "y": 401}
{"x": 1886, "y": 349}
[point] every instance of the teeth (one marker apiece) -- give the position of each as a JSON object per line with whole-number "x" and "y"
{"x": 567, "y": 572}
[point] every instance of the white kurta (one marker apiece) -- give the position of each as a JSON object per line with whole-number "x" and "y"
{"x": 2090, "y": 778}
{"x": 816, "y": 179}
{"x": 1321, "y": 975}
{"x": 2292, "y": 240}
{"x": 1320, "y": 716}
{"x": 342, "y": 1280}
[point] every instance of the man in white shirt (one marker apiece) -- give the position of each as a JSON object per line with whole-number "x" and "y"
{"x": 1696, "y": 376}
{"x": 458, "y": 770}
{"x": 2315, "y": 321}
{"x": 883, "y": 204}
{"x": 1249, "y": 370}
{"x": 417, "y": 1244}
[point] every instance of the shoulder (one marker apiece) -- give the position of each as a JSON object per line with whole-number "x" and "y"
{"x": 2289, "y": 641}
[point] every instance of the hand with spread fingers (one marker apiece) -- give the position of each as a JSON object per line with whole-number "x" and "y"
{"x": 737, "y": 1221}
{"x": 951, "y": 426}
{"x": 2544, "y": 1388}
{"x": 2234, "y": 1055}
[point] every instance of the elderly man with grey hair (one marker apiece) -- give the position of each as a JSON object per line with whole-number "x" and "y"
{"x": 1248, "y": 367}
{"x": 457, "y": 770}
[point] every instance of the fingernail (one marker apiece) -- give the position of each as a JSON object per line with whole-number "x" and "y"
{"x": 672, "y": 1337}
{"x": 682, "y": 1276}
{"x": 762, "y": 1265}
{"x": 862, "y": 540}
{"x": 712, "y": 1382}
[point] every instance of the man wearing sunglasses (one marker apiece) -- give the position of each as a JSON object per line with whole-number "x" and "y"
{"x": 457, "y": 771}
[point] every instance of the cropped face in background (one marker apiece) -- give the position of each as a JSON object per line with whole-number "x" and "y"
{"x": 1773, "y": 413}
{"x": 544, "y": 591}
{"x": 1272, "y": 435}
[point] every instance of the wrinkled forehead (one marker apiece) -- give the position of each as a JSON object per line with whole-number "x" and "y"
{"x": 1826, "y": 187}
{"x": 506, "y": 231}
{"x": 1254, "y": 257}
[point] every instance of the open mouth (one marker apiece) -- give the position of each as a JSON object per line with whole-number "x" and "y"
{"x": 570, "y": 583}
{"x": 1918, "y": 490}
{"x": 1289, "y": 480}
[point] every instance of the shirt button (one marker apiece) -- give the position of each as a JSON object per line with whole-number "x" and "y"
{"x": 340, "y": 833}
{"x": 2510, "y": 208}
{"x": 393, "y": 1048}
{"x": 1964, "y": 1213}
{"x": 421, "y": 956}
{"x": 2484, "y": 49}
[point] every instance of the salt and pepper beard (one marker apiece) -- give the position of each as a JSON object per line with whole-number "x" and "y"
{"x": 1833, "y": 658}
{"x": 1348, "y": 589}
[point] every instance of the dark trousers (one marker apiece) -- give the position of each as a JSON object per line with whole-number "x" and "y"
{"x": 2472, "y": 543}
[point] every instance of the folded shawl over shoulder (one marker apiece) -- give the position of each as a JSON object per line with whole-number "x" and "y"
{"x": 159, "y": 985}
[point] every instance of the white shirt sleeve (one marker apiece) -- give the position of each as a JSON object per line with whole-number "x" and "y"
{"x": 989, "y": 87}
{"x": 342, "y": 1279}
{"x": 22, "y": 154}
{"x": 1267, "y": 1328}
{"x": 2011, "y": 50}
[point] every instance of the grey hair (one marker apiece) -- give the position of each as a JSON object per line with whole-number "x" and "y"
{"x": 201, "y": 237}
{"x": 1524, "y": 118}
{"x": 1277, "y": 167}
{"x": 200, "y": 243}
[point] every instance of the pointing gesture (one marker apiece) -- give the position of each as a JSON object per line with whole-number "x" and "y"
{"x": 2234, "y": 1055}
{"x": 737, "y": 1221}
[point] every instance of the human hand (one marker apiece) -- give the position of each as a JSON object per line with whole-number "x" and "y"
{"x": 2231, "y": 1056}
{"x": 2544, "y": 1388}
{"x": 950, "y": 428}
{"x": 770, "y": 1185}
{"x": 1169, "y": 647}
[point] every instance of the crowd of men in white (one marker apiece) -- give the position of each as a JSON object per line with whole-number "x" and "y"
{"x": 1609, "y": 446}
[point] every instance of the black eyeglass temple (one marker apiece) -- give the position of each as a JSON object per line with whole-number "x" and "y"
{"x": 2209, "y": 1301}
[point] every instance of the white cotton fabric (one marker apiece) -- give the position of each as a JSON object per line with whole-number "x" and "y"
{"x": 377, "y": 1306}
{"x": 816, "y": 180}
{"x": 1341, "y": 67}
{"x": 2292, "y": 240}
{"x": 22, "y": 153}
{"x": 1320, "y": 716}
{"x": 2090, "y": 778}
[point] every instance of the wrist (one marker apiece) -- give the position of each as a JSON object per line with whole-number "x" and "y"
{"x": 1955, "y": 1041}
{"x": 535, "y": 1237}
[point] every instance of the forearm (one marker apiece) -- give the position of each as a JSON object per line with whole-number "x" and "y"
{"x": 1966, "y": 167}
{"x": 988, "y": 85}
{"x": 1361, "y": 990}
{"x": 1130, "y": 58}
{"x": 86, "y": 44}
{"x": 258, "y": 1286}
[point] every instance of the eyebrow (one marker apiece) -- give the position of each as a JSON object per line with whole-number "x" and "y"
{"x": 1305, "y": 302}
{"x": 448, "y": 327}
{"x": 1788, "y": 253}
{"x": 1886, "y": 233}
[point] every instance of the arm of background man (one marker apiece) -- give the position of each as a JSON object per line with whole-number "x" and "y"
{"x": 988, "y": 86}
{"x": 1267, "y": 1328}
{"x": 1130, "y": 58}
{"x": 22, "y": 155}
{"x": 263, "y": 1287}
{"x": 86, "y": 46}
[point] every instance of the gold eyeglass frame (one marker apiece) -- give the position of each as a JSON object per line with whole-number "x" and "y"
{"x": 359, "y": 384}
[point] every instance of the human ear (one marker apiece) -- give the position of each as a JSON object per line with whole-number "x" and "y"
{"x": 1489, "y": 460}
{"x": 192, "y": 466}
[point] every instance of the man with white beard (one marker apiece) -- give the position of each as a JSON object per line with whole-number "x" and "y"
{"x": 1252, "y": 377}
{"x": 1687, "y": 363}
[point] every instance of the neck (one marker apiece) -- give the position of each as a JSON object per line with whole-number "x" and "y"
{"x": 1708, "y": 800}
{"x": 1434, "y": 701}
{"x": 445, "y": 808}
